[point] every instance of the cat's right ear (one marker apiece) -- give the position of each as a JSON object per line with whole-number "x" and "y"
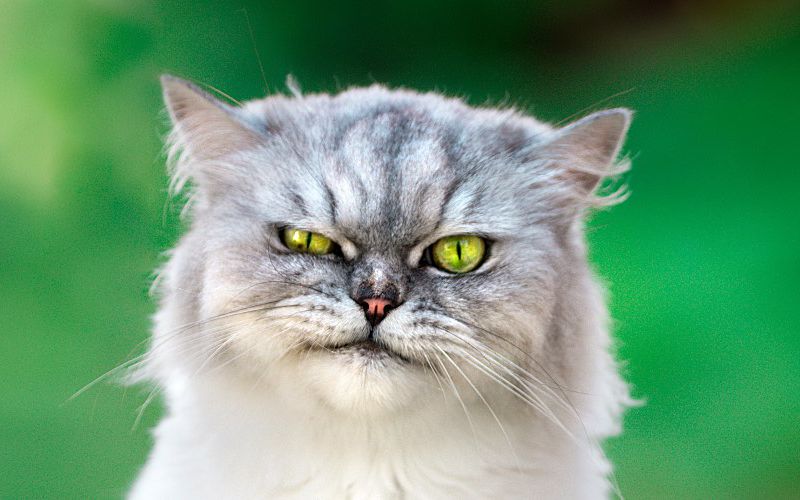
{"x": 204, "y": 129}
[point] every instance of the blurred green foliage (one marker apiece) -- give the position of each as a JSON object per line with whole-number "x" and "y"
{"x": 702, "y": 261}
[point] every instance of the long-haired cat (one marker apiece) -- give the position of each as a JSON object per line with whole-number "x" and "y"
{"x": 382, "y": 294}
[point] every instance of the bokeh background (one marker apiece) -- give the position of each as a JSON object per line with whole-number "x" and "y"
{"x": 703, "y": 260}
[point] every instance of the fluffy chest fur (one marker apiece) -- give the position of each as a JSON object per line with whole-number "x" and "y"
{"x": 228, "y": 443}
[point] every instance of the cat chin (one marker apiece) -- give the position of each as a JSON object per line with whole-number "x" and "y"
{"x": 355, "y": 380}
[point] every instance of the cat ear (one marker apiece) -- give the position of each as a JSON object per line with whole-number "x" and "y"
{"x": 207, "y": 127}
{"x": 587, "y": 149}
{"x": 204, "y": 131}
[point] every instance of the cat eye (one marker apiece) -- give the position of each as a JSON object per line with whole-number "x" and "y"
{"x": 302, "y": 241}
{"x": 460, "y": 253}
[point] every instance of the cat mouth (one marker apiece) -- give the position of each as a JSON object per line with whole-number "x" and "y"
{"x": 368, "y": 349}
{"x": 368, "y": 346}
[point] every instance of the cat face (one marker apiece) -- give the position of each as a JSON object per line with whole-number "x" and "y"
{"x": 315, "y": 219}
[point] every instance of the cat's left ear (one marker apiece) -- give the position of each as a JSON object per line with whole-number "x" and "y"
{"x": 586, "y": 150}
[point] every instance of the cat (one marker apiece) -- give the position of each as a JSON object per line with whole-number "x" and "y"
{"x": 382, "y": 294}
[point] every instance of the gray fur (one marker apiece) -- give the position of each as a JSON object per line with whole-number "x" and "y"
{"x": 385, "y": 173}
{"x": 385, "y": 170}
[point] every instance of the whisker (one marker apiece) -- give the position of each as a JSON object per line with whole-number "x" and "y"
{"x": 121, "y": 366}
{"x": 485, "y": 351}
{"x": 518, "y": 348}
{"x": 458, "y": 397}
{"x": 529, "y": 396}
{"x": 433, "y": 370}
{"x": 169, "y": 336}
{"x": 488, "y": 406}
{"x": 524, "y": 396}
{"x": 232, "y": 337}
{"x": 243, "y": 353}
{"x": 144, "y": 406}
{"x": 562, "y": 398}
{"x": 499, "y": 360}
{"x": 561, "y": 389}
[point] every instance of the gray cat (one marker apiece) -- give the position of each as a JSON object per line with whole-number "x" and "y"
{"x": 382, "y": 294}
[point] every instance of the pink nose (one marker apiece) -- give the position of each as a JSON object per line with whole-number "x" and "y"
{"x": 376, "y": 309}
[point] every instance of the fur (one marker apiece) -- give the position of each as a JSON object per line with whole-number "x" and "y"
{"x": 498, "y": 383}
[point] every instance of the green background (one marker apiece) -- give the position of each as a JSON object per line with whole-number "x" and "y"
{"x": 702, "y": 260}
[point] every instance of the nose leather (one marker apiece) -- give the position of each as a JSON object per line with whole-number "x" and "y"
{"x": 377, "y": 287}
{"x": 376, "y": 308}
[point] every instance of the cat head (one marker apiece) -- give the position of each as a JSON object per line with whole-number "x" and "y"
{"x": 374, "y": 241}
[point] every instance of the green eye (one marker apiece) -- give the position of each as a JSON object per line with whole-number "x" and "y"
{"x": 306, "y": 242}
{"x": 458, "y": 254}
